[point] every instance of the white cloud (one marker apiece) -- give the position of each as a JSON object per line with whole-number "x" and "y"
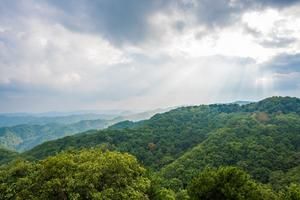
{"x": 262, "y": 21}
{"x": 230, "y": 41}
{"x": 51, "y": 55}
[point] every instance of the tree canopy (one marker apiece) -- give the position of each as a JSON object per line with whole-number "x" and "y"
{"x": 227, "y": 183}
{"x": 87, "y": 174}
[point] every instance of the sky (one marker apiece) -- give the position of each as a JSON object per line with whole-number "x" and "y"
{"x": 64, "y": 55}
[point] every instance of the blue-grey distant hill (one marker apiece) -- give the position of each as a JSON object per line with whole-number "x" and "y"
{"x": 25, "y": 136}
{"x": 17, "y": 119}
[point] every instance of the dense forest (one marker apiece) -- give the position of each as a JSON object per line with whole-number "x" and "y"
{"x": 219, "y": 151}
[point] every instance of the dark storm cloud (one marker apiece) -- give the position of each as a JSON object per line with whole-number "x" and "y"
{"x": 127, "y": 20}
{"x": 116, "y": 20}
{"x": 217, "y": 13}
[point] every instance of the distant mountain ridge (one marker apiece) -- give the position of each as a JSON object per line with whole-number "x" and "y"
{"x": 242, "y": 102}
{"x": 12, "y": 120}
{"x": 26, "y": 136}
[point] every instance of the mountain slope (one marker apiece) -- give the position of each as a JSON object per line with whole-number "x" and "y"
{"x": 259, "y": 148}
{"x": 156, "y": 142}
{"x": 262, "y": 138}
{"x": 6, "y": 155}
{"x": 24, "y": 137}
{"x": 275, "y": 105}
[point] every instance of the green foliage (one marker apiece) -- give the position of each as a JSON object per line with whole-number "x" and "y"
{"x": 227, "y": 183}
{"x": 164, "y": 194}
{"x": 186, "y": 126}
{"x": 261, "y": 139}
{"x": 126, "y": 124}
{"x": 182, "y": 195}
{"x": 7, "y": 155}
{"x": 281, "y": 178}
{"x": 259, "y": 148}
{"x": 87, "y": 174}
{"x": 275, "y": 105}
{"x": 291, "y": 192}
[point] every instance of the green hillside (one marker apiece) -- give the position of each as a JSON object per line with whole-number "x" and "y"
{"x": 156, "y": 142}
{"x": 6, "y": 155}
{"x": 262, "y": 148}
{"x": 187, "y": 139}
{"x": 275, "y": 105}
{"x": 261, "y": 139}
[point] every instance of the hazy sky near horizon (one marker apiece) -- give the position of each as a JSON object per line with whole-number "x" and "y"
{"x": 68, "y": 55}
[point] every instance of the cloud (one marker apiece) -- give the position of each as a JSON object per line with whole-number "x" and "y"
{"x": 145, "y": 54}
{"x": 128, "y": 21}
{"x": 284, "y": 63}
{"x": 276, "y": 3}
{"x": 118, "y": 21}
{"x": 273, "y": 29}
{"x": 287, "y": 82}
{"x": 50, "y": 55}
{"x": 282, "y": 74}
{"x": 221, "y": 13}
{"x": 278, "y": 42}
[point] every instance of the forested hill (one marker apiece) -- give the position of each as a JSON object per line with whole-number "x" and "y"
{"x": 167, "y": 136}
{"x": 6, "y": 155}
{"x": 275, "y": 105}
{"x": 261, "y": 138}
{"x": 265, "y": 146}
